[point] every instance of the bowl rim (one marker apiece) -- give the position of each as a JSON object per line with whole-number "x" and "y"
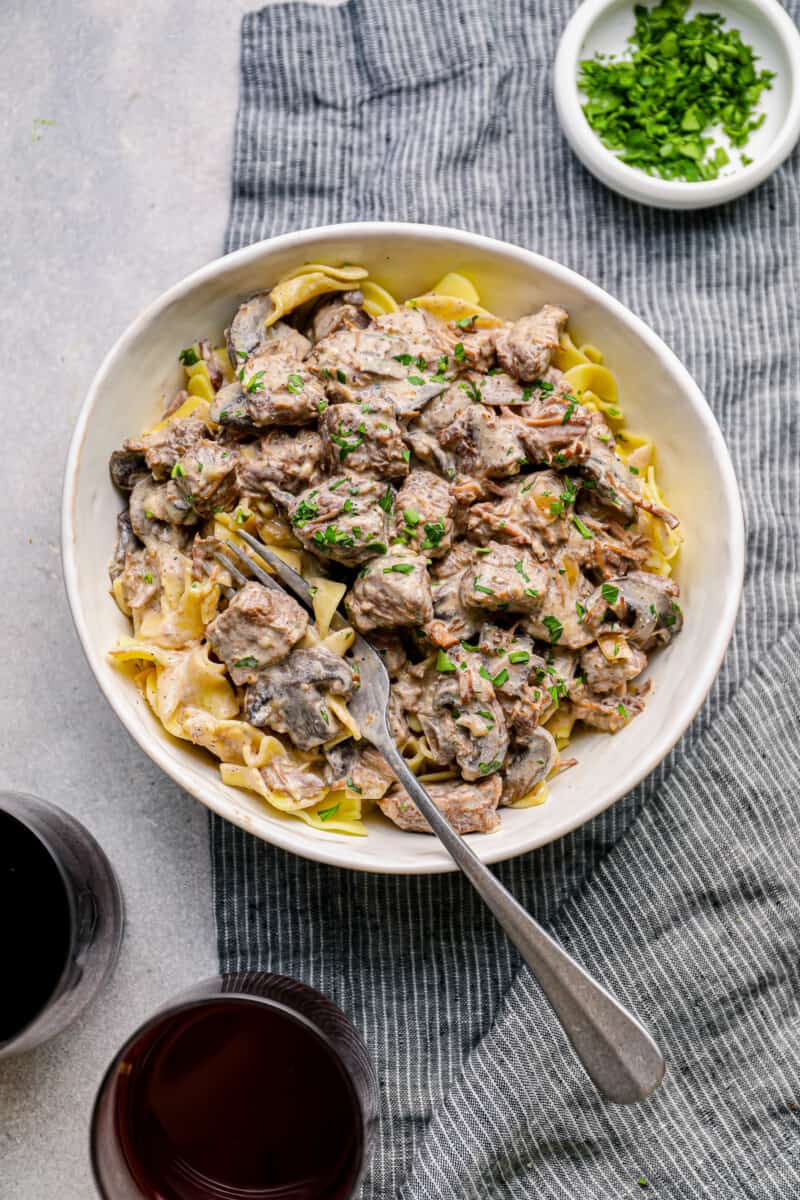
{"x": 285, "y": 835}
{"x": 652, "y": 190}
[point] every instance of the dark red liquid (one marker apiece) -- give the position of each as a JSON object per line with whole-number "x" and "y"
{"x": 34, "y": 926}
{"x": 239, "y": 1099}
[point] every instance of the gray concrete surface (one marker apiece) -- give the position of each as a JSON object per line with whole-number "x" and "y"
{"x": 123, "y": 194}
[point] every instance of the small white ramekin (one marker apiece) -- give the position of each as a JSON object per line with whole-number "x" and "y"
{"x": 605, "y": 24}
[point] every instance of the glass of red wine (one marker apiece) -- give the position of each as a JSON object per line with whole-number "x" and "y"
{"x": 60, "y": 920}
{"x": 247, "y": 1086}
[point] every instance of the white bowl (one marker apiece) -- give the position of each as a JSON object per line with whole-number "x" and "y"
{"x": 605, "y": 25}
{"x": 659, "y": 396}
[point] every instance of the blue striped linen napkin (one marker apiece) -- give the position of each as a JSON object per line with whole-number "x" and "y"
{"x": 683, "y": 897}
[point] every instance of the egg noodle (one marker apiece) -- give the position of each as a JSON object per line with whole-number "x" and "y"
{"x": 168, "y": 659}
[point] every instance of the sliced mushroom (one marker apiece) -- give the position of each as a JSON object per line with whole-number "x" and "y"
{"x": 126, "y": 468}
{"x": 529, "y": 767}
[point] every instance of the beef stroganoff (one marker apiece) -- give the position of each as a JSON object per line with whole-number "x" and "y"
{"x": 464, "y": 486}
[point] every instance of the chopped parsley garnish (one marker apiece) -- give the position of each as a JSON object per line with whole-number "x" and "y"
{"x": 148, "y": 576}
{"x": 322, "y": 405}
{"x": 465, "y": 645}
{"x": 340, "y": 375}
{"x": 405, "y": 359}
{"x": 479, "y": 587}
{"x": 325, "y": 814}
{"x": 151, "y": 516}
{"x": 520, "y": 569}
{"x": 242, "y": 515}
{"x": 682, "y": 78}
{"x": 580, "y": 610}
{"x": 354, "y": 786}
{"x": 622, "y": 710}
{"x": 341, "y": 439}
{"x": 519, "y": 656}
{"x": 458, "y": 352}
{"x": 407, "y": 455}
{"x": 569, "y": 410}
{"x": 610, "y": 593}
{"x": 531, "y": 592}
{"x": 378, "y": 547}
{"x": 189, "y": 356}
{"x": 399, "y": 569}
{"x": 416, "y": 380}
{"x": 326, "y": 373}
{"x": 387, "y": 499}
{"x": 581, "y": 528}
{"x": 490, "y": 766}
{"x": 412, "y": 517}
{"x": 254, "y": 382}
{"x": 554, "y": 628}
{"x": 633, "y": 470}
{"x": 305, "y": 511}
{"x": 339, "y": 483}
{"x": 434, "y": 532}
{"x": 443, "y": 663}
{"x": 466, "y": 322}
{"x": 177, "y": 471}
{"x": 333, "y": 537}
{"x": 473, "y": 391}
{"x": 500, "y": 678}
{"x": 294, "y": 384}
{"x": 248, "y": 661}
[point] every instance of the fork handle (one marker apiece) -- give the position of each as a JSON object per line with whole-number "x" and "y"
{"x": 617, "y": 1052}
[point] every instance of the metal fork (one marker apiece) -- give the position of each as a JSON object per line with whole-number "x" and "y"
{"x": 617, "y": 1052}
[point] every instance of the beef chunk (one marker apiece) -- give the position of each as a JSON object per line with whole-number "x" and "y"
{"x": 163, "y": 447}
{"x": 206, "y": 476}
{"x": 342, "y": 519}
{"x": 525, "y": 349}
{"x": 602, "y": 710}
{"x": 469, "y": 807}
{"x": 517, "y": 673}
{"x": 560, "y": 617}
{"x": 159, "y": 513}
{"x": 507, "y": 578}
{"x": 423, "y": 513}
{"x": 360, "y": 768}
{"x": 289, "y": 458}
{"x": 289, "y": 697}
{"x": 275, "y": 388}
{"x": 258, "y": 628}
{"x": 533, "y": 511}
{"x": 366, "y": 436}
{"x": 391, "y": 591}
{"x": 461, "y": 717}
{"x": 458, "y": 434}
{"x": 452, "y": 620}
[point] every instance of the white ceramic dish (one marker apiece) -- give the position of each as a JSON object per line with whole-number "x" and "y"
{"x": 659, "y": 396}
{"x": 605, "y": 25}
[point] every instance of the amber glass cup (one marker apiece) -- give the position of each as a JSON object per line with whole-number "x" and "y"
{"x": 246, "y": 1087}
{"x": 60, "y": 920}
